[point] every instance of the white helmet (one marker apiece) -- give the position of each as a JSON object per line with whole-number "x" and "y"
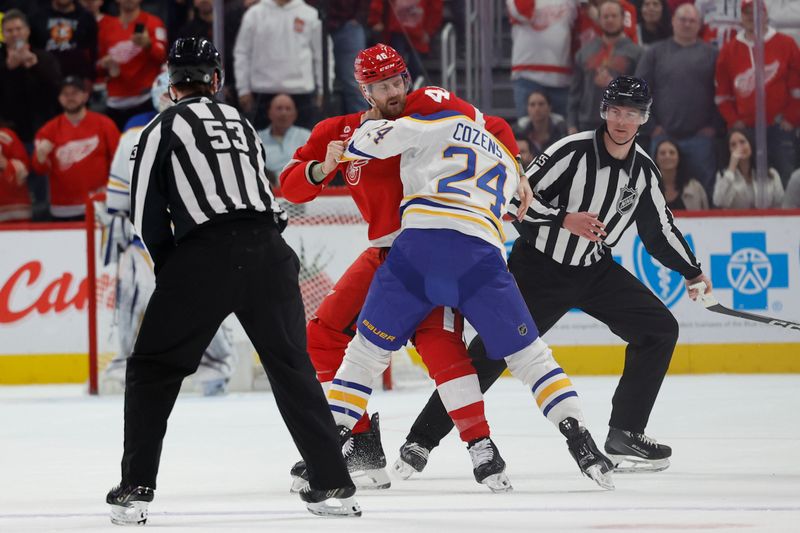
{"x": 159, "y": 92}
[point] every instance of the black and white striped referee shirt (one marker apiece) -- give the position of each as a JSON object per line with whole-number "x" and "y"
{"x": 195, "y": 161}
{"x": 578, "y": 174}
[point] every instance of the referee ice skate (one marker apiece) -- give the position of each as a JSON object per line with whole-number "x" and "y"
{"x": 201, "y": 202}
{"x": 591, "y": 187}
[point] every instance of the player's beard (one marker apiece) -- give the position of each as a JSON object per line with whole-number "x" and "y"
{"x": 393, "y": 107}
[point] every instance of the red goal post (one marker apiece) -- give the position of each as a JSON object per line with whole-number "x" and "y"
{"x": 327, "y": 234}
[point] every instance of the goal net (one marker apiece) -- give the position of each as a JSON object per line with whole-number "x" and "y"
{"x": 327, "y": 235}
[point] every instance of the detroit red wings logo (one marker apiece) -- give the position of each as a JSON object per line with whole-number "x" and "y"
{"x": 745, "y": 83}
{"x": 76, "y": 151}
{"x": 353, "y": 172}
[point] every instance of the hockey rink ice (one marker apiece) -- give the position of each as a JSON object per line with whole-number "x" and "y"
{"x": 735, "y": 466}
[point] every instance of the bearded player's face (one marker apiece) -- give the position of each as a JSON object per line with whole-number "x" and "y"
{"x": 389, "y": 95}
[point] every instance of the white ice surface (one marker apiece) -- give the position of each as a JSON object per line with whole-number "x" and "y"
{"x": 225, "y": 464}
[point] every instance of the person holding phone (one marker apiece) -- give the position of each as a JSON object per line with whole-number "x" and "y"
{"x": 132, "y": 48}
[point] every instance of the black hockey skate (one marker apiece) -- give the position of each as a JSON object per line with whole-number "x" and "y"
{"x": 413, "y": 458}
{"x": 363, "y": 454}
{"x": 488, "y": 467}
{"x": 318, "y": 501}
{"x": 636, "y": 452}
{"x": 129, "y": 504}
{"x": 592, "y": 463}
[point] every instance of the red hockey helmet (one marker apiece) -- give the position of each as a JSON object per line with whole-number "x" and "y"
{"x": 378, "y": 63}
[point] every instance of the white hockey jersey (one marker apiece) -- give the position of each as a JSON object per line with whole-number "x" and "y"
{"x": 455, "y": 174}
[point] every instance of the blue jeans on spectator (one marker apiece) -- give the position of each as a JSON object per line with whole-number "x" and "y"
{"x": 523, "y": 89}
{"x": 700, "y": 158}
{"x": 780, "y": 151}
{"x": 412, "y": 57}
{"x": 347, "y": 42}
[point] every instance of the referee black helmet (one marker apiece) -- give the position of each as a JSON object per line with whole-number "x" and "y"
{"x": 629, "y": 92}
{"x": 194, "y": 60}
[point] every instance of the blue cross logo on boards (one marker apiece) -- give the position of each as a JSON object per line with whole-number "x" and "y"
{"x": 667, "y": 284}
{"x": 750, "y": 271}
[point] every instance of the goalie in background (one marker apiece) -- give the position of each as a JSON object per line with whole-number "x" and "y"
{"x": 135, "y": 279}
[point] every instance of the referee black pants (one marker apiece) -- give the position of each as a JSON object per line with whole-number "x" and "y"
{"x": 605, "y": 291}
{"x": 246, "y": 268}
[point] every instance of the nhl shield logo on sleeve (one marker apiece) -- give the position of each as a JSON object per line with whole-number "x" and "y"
{"x": 522, "y": 329}
{"x": 627, "y": 199}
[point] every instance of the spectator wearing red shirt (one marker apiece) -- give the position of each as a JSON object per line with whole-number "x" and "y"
{"x": 735, "y": 87}
{"x": 74, "y": 150}
{"x": 419, "y": 20}
{"x": 132, "y": 49}
{"x": 15, "y": 201}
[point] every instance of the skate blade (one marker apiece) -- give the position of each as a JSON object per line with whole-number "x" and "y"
{"x": 498, "y": 483}
{"x": 626, "y": 464}
{"x": 297, "y": 484}
{"x": 134, "y": 514}
{"x": 347, "y": 507}
{"x": 595, "y": 472}
{"x": 403, "y": 470}
{"x": 376, "y": 479}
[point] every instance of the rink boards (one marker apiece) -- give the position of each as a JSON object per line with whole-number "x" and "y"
{"x": 753, "y": 262}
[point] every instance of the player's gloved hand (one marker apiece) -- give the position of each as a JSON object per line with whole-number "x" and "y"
{"x": 693, "y": 292}
{"x": 585, "y": 225}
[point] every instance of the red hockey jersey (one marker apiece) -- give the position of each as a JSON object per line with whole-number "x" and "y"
{"x": 138, "y": 67}
{"x": 736, "y": 80}
{"x": 375, "y": 184}
{"x": 15, "y": 201}
{"x": 79, "y": 161}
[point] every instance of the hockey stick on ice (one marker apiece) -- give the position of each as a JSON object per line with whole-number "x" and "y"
{"x": 711, "y": 303}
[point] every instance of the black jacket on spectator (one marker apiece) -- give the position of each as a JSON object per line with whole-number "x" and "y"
{"x": 29, "y": 96}
{"x": 70, "y": 37}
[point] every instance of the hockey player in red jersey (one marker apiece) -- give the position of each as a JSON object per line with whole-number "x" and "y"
{"x": 377, "y": 190}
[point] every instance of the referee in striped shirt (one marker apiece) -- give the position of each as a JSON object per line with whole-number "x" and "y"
{"x": 591, "y": 187}
{"x": 201, "y": 202}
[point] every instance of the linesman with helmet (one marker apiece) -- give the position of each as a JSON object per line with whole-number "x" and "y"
{"x": 591, "y": 187}
{"x": 201, "y": 202}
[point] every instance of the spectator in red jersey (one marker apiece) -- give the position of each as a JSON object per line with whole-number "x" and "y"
{"x": 15, "y": 201}
{"x": 596, "y": 64}
{"x": 407, "y": 26}
{"x": 588, "y": 26}
{"x": 735, "y": 87}
{"x": 69, "y": 32}
{"x": 29, "y": 81}
{"x": 202, "y": 22}
{"x": 132, "y": 48}
{"x": 74, "y": 150}
{"x": 541, "y": 50}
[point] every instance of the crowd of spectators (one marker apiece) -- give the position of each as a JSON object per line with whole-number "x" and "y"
{"x": 697, "y": 57}
{"x": 74, "y": 72}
